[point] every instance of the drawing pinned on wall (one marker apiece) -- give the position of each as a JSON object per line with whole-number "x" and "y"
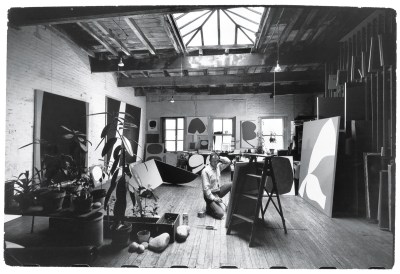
{"x": 155, "y": 151}
{"x": 152, "y": 125}
{"x": 318, "y": 163}
{"x": 197, "y": 125}
{"x": 248, "y": 134}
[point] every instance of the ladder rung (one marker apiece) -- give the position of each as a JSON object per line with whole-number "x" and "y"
{"x": 244, "y": 218}
{"x": 254, "y": 175}
{"x": 250, "y": 196}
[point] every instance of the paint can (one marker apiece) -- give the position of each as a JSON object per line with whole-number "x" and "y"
{"x": 201, "y": 214}
{"x": 185, "y": 219}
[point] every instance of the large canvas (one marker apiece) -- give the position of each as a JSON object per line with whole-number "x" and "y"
{"x": 197, "y": 125}
{"x": 145, "y": 174}
{"x": 318, "y": 163}
{"x": 248, "y": 134}
{"x": 132, "y": 134}
{"x": 51, "y": 112}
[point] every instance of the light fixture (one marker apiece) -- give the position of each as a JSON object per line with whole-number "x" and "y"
{"x": 120, "y": 64}
{"x": 277, "y": 68}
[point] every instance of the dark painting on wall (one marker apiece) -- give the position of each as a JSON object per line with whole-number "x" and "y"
{"x": 114, "y": 106}
{"x": 51, "y": 112}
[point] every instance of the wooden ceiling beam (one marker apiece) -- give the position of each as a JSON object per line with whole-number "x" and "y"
{"x": 173, "y": 34}
{"x": 305, "y": 25}
{"x": 194, "y": 63}
{"x": 139, "y": 33}
{"x": 264, "y": 27}
{"x": 99, "y": 39}
{"x": 31, "y": 16}
{"x": 294, "y": 88}
{"x": 113, "y": 37}
{"x": 288, "y": 29}
{"x": 283, "y": 77}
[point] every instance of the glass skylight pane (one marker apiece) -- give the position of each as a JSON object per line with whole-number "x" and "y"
{"x": 227, "y": 30}
{"x": 190, "y": 17}
{"x": 242, "y": 39}
{"x": 196, "y": 41}
{"x": 210, "y": 31}
{"x": 246, "y": 14}
{"x": 227, "y": 26}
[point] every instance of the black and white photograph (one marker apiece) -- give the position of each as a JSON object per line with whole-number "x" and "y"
{"x": 211, "y": 135}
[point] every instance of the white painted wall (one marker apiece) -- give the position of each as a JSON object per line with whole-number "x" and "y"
{"x": 243, "y": 107}
{"x": 39, "y": 59}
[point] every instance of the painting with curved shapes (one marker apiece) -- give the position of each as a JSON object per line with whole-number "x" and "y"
{"x": 318, "y": 163}
{"x": 197, "y": 125}
{"x": 248, "y": 134}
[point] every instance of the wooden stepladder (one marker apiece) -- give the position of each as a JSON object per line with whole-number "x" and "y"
{"x": 254, "y": 196}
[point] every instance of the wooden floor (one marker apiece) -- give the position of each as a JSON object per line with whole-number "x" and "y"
{"x": 313, "y": 240}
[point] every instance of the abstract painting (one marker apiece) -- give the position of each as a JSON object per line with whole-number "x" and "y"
{"x": 248, "y": 134}
{"x": 318, "y": 163}
{"x": 197, "y": 125}
{"x": 115, "y": 106}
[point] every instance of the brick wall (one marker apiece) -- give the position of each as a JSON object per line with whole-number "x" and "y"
{"x": 243, "y": 107}
{"x": 39, "y": 59}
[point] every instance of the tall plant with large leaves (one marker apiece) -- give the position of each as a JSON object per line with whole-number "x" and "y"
{"x": 119, "y": 166}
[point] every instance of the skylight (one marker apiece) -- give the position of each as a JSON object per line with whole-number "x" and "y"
{"x": 220, "y": 27}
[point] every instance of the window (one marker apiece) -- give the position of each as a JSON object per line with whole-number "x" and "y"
{"x": 222, "y": 134}
{"x": 273, "y": 127}
{"x": 173, "y": 134}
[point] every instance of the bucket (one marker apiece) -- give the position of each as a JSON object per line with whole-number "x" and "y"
{"x": 91, "y": 229}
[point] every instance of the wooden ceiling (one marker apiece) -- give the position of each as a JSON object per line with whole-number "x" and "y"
{"x": 156, "y": 59}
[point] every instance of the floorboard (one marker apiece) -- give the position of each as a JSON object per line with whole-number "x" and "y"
{"x": 314, "y": 240}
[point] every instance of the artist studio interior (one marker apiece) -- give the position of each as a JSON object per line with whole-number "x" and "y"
{"x": 200, "y": 137}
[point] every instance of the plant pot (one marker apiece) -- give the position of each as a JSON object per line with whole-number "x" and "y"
{"x": 52, "y": 200}
{"x": 120, "y": 237}
{"x": 168, "y": 223}
{"x": 99, "y": 195}
{"x": 78, "y": 231}
{"x": 143, "y": 236}
{"x": 82, "y": 205}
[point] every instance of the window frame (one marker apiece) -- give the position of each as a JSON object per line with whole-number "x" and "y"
{"x": 164, "y": 133}
{"x": 223, "y": 134}
{"x": 284, "y": 128}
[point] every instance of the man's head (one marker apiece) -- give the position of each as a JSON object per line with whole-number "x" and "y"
{"x": 214, "y": 159}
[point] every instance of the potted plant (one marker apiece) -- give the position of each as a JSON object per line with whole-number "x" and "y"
{"x": 26, "y": 188}
{"x": 120, "y": 229}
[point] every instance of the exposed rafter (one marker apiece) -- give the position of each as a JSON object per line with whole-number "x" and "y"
{"x": 140, "y": 35}
{"x": 174, "y": 34}
{"x": 264, "y": 28}
{"x": 19, "y": 17}
{"x": 304, "y": 26}
{"x": 283, "y": 77}
{"x": 202, "y": 62}
{"x": 100, "y": 39}
{"x": 113, "y": 37}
